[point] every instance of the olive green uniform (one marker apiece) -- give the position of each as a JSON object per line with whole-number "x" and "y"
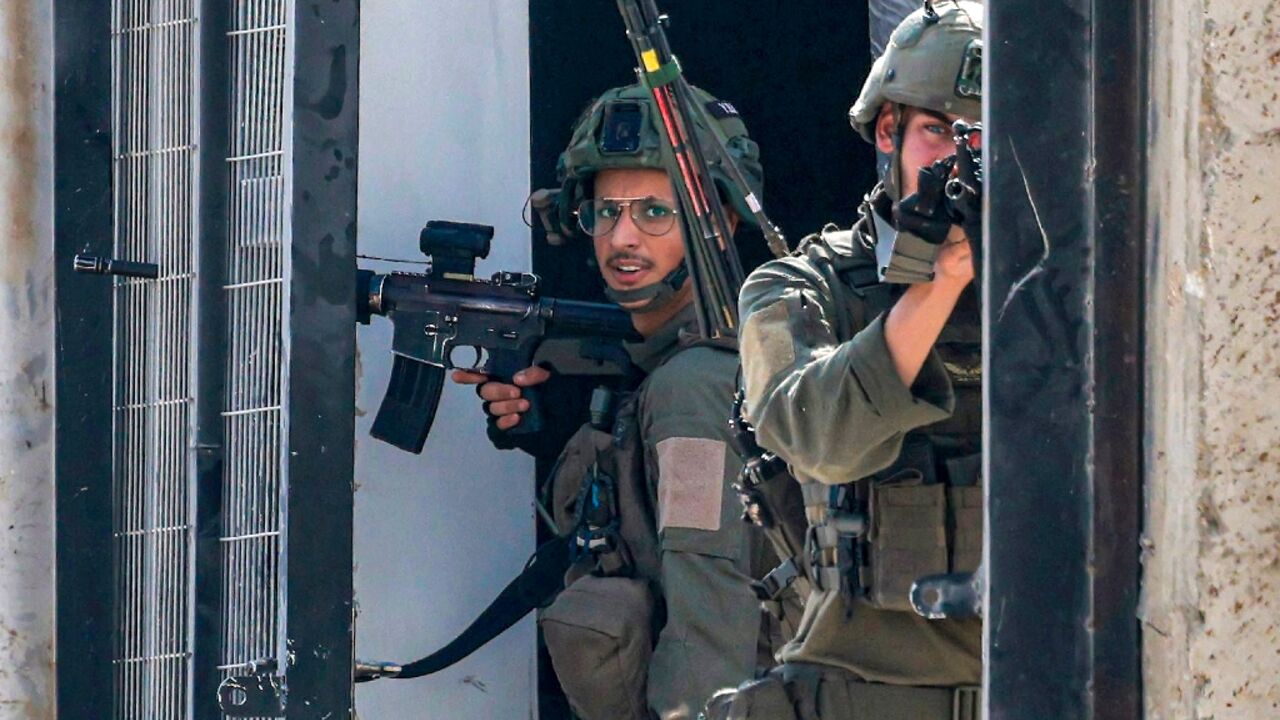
{"x": 889, "y": 473}
{"x": 662, "y": 611}
{"x": 823, "y": 393}
{"x": 682, "y": 538}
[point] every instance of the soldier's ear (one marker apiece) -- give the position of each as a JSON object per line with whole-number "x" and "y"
{"x": 731, "y": 217}
{"x": 886, "y": 123}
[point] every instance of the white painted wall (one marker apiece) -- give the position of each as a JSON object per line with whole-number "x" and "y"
{"x": 1210, "y": 608}
{"x": 26, "y": 360}
{"x": 444, "y": 134}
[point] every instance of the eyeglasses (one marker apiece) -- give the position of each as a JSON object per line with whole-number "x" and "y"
{"x": 599, "y": 216}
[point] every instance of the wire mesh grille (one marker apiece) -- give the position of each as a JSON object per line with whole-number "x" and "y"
{"x": 153, "y": 101}
{"x": 256, "y": 296}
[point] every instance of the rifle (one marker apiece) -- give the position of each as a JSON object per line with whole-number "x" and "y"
{"x": 949, "y": 192}
{"x": 503, "y": 321}
{"x": 964, "y": 189}
{"x": 712, "y": 258}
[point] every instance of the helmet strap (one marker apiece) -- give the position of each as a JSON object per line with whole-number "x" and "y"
{"x": 655, "y": 296}
{"x": 893, "y": 178}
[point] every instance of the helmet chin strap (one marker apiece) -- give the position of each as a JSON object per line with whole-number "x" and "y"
{"x": 893, "y": 176}
{"x": 654, "y": 296}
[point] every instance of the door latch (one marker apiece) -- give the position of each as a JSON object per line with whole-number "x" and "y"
{"x": 95, "y": 265}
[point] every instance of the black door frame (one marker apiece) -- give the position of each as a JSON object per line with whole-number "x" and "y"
{"x": 83, "y": 367}
{"x": 1066, "y": 162}
{"x": 320, "y": 607}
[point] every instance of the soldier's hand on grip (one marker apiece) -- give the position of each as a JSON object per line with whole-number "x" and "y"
{"x": 503, "y": 402}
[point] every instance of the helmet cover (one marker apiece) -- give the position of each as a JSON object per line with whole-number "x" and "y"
{"x": 622, "y": 129}
{"x": 933, "y": 61}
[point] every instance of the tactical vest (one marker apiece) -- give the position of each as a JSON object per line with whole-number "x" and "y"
{"x": 771, "y": 500}
{"x": 873, "y": 538}
{"x": 600, "y": 630}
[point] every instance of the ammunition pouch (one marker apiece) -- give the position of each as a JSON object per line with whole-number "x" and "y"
{"x": 600, "y": 634}
{"x": 907, "y": 537}
{"x": 598, "y": 495}
{"x": 797, "y": 691}
{"x": 964, "y": 508}
{"x": 877, "y": 537}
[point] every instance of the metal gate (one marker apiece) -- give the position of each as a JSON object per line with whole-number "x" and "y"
{"x": 255, "y": 296}
{"x": 214, "y": 140}
{"x": 153, "y": 108}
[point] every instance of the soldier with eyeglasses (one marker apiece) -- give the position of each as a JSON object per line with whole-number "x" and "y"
{"x": 661, "y": 609}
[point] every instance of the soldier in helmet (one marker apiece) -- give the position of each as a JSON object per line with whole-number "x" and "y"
{"x": 660, "y": 609}
{"x": 871, "y": 392}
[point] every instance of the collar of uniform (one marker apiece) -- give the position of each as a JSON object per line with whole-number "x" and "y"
{"x": 655, "y": 349}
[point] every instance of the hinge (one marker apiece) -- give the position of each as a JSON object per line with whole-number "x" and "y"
{"x": 259, "y": 694}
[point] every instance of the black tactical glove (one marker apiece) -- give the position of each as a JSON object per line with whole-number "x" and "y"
{"x": 926, "y": 214}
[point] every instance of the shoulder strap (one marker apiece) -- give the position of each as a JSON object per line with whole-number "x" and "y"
{"x": 693, "y": 339}
{"x": 536, "y": 586}
{"x": 844, "y": 256}
{"x": 877, "y": 297}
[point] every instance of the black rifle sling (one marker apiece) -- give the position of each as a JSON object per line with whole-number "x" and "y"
{"x": 535, "y": 587}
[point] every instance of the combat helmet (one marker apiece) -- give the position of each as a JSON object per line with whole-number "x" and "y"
{"x": 933, "y": 61}
{"x": 622, "y": 129}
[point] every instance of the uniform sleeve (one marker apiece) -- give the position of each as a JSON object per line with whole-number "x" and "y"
{"x": 713, "y": 617}
{"x": 836, "y": 411}
{"x": 709, "y": 641}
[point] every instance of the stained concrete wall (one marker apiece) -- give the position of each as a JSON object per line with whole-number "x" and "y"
{"x": 1211, "y": 606}
{"x": 26, "y": 360}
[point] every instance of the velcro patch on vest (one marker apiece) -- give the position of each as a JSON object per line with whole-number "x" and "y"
{"x": 721, "y": 110}
{"x": 690, "y": 483}
{"x": 766, "y": 348}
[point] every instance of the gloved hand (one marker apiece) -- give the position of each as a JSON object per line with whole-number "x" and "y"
{"x": 926, "y": 213}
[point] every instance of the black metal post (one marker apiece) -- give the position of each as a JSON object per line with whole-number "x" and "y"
{"x": 83, "y": 218}
{"x": 210, "y": 357}
{"x": 319, "y": 585}
{"x": 1065, "y": 151}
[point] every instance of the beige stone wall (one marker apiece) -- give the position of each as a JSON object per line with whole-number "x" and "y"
{"x": 26, "y": 360}
{"x": 1211, "y": 606}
